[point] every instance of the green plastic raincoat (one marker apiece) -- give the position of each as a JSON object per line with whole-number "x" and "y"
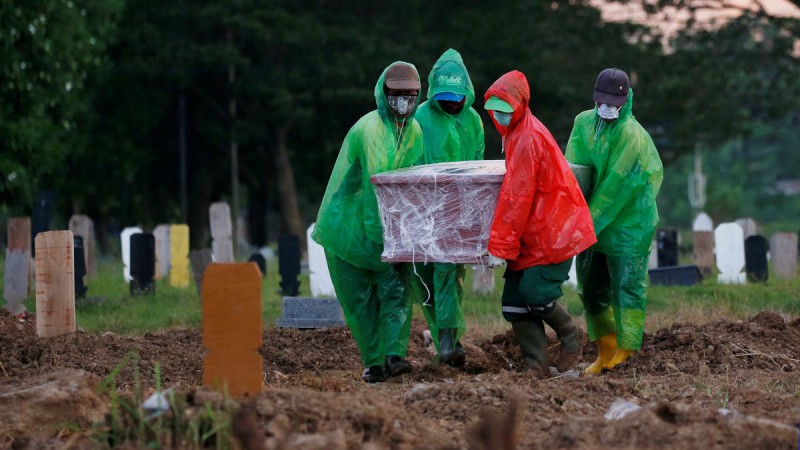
{"x": 371, "y": 292}
{"x": 612, "y": 275}
{"x": 448, "y": 138}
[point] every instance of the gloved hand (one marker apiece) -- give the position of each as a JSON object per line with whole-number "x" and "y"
{"x": 492, "y": 261}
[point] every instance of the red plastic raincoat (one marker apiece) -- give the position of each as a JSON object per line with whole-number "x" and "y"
{"x": 541, "y": 215}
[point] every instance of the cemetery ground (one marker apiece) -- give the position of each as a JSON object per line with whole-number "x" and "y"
{"x": 718, "y": 369}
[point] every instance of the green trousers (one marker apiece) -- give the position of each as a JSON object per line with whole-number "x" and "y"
{"x": 528, "y": 292}
{"x": 375, "y": 306}
{"x": 437, "y": 288}
{"x": 613, "y": 290}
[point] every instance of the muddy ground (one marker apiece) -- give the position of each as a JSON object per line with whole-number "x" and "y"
{"x": 720, "y": 385}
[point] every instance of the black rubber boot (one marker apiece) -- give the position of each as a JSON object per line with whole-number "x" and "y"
{"x": 571, "y": 348}
{"x": 396, "y": 365}
{"x": 533, "y": 344}
{"x": 450, "y": 351}
{"x": 373, "y": 374}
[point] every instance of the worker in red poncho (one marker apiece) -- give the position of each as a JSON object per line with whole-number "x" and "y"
{"x": 540, "y": 223}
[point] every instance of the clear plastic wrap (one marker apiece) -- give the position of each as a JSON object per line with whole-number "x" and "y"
{"x": 442, "y": 212}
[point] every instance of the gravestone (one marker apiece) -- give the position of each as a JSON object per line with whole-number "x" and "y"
{"x": 703, "y": 251}
{"x": 84, "y": 227}
{"x": 199, "y": 259}
{"x": 161, "y": 235}
{"x": 289, "y": 264}
{"x": 755, "y": 256}
{"x": 749, "y": 227}
{"x": 143, "y": 264}
{"x": 652, "y": 263}
{"x": 573, "y": 273}
{"x": 232, "y": 328}
{"x": 125, "y": 246}
{"x": 703, "y": 223}
{"x": 729, "y": 252}
{"x": 783, "y": 249}
{"x": 667, "y": 239}
{"x": 55, "y": 283}
{"x": 260, "y": 261}
{"x": 80, "y": 267}
{"x": 179, "y": 255}
{"x": 675, "y": 276}
{"x": 221, "y": 232}
{"x": 17, "y": 266}
{"x": 482, "y": 280}
{"x": 311, "y": 312}
{"x": 40, "y": 219}
{"x": 318, "y": 274}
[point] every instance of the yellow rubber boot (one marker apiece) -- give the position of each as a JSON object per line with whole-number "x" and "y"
{"x": 619, "y": 357}
{"x": 606, "y": 350}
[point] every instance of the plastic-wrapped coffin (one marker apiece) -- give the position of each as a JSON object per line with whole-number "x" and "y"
{"x": 443, "y": 212}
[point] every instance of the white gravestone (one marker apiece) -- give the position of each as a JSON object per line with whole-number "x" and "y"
{"x": 125, "y": 240}
{"x": 749, "y": 227}
{"x": 161, "y": 235}
{"x": 221, "y": 232}
{"x": 702, "y": 223}
{"x": 729, "y": 249}
{"x": 652, "y": 263}
{"x": 483, "y": 280}
{"x": 319, "y": 276}
{"x": 573, "y": 273}
{"x": 783, "y": 248}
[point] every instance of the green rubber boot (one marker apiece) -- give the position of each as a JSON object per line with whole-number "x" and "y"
{"x": 450, "y": 351}
{"x": 571, "y": 349}
{"x": 533, "y": 343}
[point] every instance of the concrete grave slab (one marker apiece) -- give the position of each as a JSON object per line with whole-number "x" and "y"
{"x": 729, "y": 252}
{"x": 703, "y": 222}
{"x": 80, "y": 266}
{"x": 310, "y": 312}
{"x": 749, "y": 226}
{"x": 55, "y": 284}
{"x": 318, "y": 274}
{"x": 161, "y": 234}
{"x": 232, "y": 328}
{"x": 755, "y": 257}
{"x": 84, "y": 227}
{"x": 783, "y": 249}
{"x": 221, "y": 232}
{"x": 15, "y": 280}
{"x": 703, "y": 251}
{"x": 143, "y": 264}
{"x": 289, "y": 263}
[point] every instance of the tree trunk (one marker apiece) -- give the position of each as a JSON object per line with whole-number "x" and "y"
{"x": 287, "y": 189}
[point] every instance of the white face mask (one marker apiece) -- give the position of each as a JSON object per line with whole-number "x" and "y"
{"x": 503, "y": 118}
{"x": 607, "y": 111}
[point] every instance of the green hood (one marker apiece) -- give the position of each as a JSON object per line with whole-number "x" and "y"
{"x": 449, "y": 74}
{"x": 380, "y": 96}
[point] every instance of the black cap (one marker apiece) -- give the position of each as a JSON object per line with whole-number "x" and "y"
{"x": 611, "y": 87}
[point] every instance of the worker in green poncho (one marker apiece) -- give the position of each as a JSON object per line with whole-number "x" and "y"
{"x": 371, "y": 292}
{"x": 612, "y": 274}
{"x": 452, "y": 131}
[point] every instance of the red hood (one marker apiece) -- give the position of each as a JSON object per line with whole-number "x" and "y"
{"x": 512, "y": 88}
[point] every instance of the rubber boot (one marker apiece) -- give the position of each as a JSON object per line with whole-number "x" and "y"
{"x": 373, "y": 374}
{"x": 568, "y": 334}
{"x": 619, "y": 357}
{"x": 450, "y": 351}
{"x": 606, "y": 348}
{"x": 396, "y": 365}
{"x": 533, "y": 343}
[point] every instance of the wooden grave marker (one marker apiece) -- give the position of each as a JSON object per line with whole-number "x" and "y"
{"x": 179, "y": 255}
{"x": 232, "y": 328}
{"x": 125, "y": 246}
{"x": 783, "y": 249}
{"x": 221, "y": 232}
{"x": 55, "y": 283}
{"x": 84, "y": 227}
{"x": 161, "y": 234}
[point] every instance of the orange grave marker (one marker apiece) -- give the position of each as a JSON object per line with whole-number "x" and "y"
{"x": 232, "y": 328}
{"x": 55, "y": 283}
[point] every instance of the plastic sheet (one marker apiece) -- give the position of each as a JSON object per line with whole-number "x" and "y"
{"x": 443, "y": 212}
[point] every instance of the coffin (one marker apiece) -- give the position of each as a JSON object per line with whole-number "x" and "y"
{"x": 443, "y": 212}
